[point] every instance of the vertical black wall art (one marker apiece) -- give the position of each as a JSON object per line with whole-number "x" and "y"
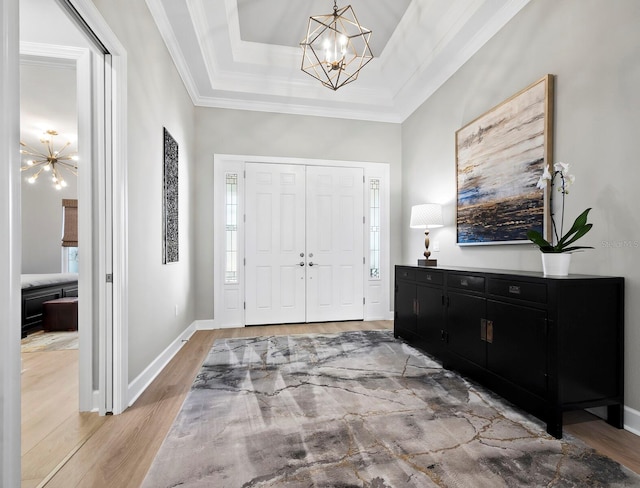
{"x": 170, "y": 200}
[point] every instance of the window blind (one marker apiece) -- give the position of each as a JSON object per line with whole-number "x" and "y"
{"x": 69, "y": 223}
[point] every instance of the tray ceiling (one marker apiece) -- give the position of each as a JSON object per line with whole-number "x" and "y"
{"x": 245, "y": 54}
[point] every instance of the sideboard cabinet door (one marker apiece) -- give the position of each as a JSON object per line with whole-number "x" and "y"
{"x": 405, "y": 309}
{"x": 465, "y": 325}
{"x": 431, "y": 325}
{"x": 517, "y": 346}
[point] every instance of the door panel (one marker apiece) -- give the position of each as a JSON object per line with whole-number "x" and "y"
{"x": 274, "y": 239}
{"x": 335, "y": 283}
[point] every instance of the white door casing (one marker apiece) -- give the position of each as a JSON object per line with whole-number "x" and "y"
{"x": 335, "y": 247}
{"x": 108, "y": 132}
{"x": 229, "y": 295}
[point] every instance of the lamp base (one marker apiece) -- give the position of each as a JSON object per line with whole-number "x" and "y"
{"x": 427, "y": 262}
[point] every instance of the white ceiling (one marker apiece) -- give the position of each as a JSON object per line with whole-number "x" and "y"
{"x": 245, "y": 54}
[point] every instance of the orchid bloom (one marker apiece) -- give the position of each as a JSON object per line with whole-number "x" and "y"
{"x": 567, "y": 179}
{"x": 546, "y": 176}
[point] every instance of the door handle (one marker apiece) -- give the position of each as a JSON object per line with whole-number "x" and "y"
{"x": 490, "y": 331}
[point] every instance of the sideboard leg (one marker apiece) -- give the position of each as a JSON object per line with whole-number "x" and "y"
{"x": 554, "y": 424}
{"x": 615, "y": 415}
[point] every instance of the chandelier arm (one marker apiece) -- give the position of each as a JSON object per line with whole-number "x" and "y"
{"x": 31, "y": 151}
{"x": 37, "y": 173}
{"x": 62, "y": 149}
{"x": 68, "y": 165}
{"x": 49, "y": 146}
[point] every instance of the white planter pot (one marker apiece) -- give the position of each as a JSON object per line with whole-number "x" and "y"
{"x": 556, "y": 264}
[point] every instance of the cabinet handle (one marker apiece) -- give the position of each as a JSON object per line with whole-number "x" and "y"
{"x": 415, "y": 312}
{"x": 483, "y": 330}
{"x": 417, "y": 307}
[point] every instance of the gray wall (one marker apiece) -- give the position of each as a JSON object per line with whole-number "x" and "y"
{"x": 593, "y": 48}
{"x": 47, "y": 95}
{"x": 266, "y": 134}
{"x": 156, "y": 98}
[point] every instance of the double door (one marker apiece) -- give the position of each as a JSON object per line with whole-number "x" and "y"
{"x": 304, "y": 244}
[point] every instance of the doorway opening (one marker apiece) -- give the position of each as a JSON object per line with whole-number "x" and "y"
{"x": 64, "y": 59}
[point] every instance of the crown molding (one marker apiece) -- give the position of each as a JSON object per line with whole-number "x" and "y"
{"x": 173, "y": 46}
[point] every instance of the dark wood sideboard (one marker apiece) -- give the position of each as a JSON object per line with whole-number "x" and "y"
{"x": 547, "y": 344}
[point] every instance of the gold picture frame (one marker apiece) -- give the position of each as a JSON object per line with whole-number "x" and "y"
{"x": 500, "y": 156}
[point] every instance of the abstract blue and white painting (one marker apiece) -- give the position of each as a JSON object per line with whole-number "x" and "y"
{"x": 500, "y": 157}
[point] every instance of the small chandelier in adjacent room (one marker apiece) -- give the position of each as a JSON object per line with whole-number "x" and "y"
{"x": 49, "y": 160}
{"x": 336, "y": 47}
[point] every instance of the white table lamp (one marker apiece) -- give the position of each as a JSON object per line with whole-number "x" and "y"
{"x": 426, "y": 216}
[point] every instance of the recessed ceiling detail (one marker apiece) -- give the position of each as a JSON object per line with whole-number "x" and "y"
{"x": 236, "y": 53}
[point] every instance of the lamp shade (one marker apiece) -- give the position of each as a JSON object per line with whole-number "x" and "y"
{"x": 426, "y": 216}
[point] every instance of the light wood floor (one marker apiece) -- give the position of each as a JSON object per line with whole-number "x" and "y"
{"x": 117, "y": 451}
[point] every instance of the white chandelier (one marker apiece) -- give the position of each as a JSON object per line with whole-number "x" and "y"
{"x": 50, "y": 161}
{"x": 336, "y": 47}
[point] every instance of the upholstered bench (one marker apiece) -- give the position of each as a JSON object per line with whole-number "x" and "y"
{"x": 60, "y": 314}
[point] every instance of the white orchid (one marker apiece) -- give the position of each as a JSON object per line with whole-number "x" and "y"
{"x": 546, "y": 176}
{"x": 579, "y": 228}
{"x": 566, "y": 178}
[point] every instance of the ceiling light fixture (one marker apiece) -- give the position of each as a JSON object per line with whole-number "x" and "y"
{"x": 336, "y": 47}
{"x": 50, "y": 160}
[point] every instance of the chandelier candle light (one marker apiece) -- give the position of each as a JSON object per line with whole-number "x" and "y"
{"x": 49, "y": 160}
{"x": 336, "y": 47}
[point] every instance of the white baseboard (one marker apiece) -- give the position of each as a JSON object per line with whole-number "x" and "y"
{"x": 95, "y": 401}
{"x": 144, "y": 379}
{"x": 213, "y": 324}
{"x": 632, "y": 420}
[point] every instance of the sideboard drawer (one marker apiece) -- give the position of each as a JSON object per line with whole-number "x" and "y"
{"x": 522, "y": 290}
{"x": 430, "y": 276}
{"x": 466, "y": 282}
{"x": 405, "y": 274}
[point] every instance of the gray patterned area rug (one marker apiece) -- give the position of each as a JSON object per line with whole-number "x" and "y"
{"x": 358, "y": 409}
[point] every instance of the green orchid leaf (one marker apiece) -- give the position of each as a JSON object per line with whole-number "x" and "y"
{"x": 579, "y": 234}
{"x": 579, "y": 223}
{"x": 575, "y": 248}
{"x": 536, "y": 237}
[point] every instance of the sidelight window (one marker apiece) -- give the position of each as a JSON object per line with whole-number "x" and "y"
{"x": 374, "y": 228}
{"x": 231, "y": 228}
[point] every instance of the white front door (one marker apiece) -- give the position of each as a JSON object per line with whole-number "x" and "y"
{"x": 335, "y": 230}
{"x": 303, "y": 244}
{"x": 275, "y": 244}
